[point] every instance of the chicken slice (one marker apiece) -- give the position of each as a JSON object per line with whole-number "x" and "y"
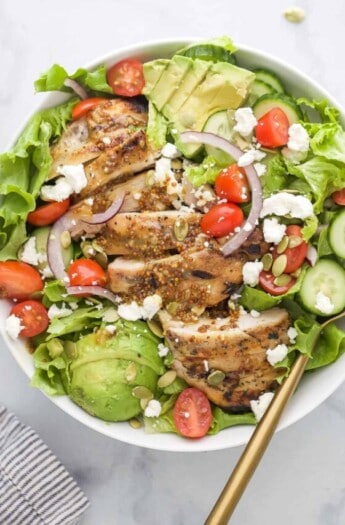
{"x": 235, "y": 347}
{"x": 202, "y": 278}
{"x": 150, "y": 234}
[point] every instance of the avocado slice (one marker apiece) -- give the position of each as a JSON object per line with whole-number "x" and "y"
{"x": 225, "y": 87}
{"x": 170, "y": 80}
{"x": 152, "y": 72}
{"x": 192, "y": 79}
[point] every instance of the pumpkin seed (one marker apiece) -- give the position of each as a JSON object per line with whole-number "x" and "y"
{"x": 131, "y": 372}
{"x": 198, "y": 310}
{"x": 176, "y": 164}
{"x": 282, "y": 280}
{"x": 166, "y": 379}
{"x": 135, "y": 423}
{"x": 295, "y": 241}
{"x": 296, "y": 273}
{"x": 294, "y": 14}
{"x": 141, "y": 392}
{"x": 102, "y": 259}
{"x": 283, "y": 244}
{"x": 172, "y": 308}
{"x": 150, "y": 178}
{"x": 71, "y": 349}
{"x": 87, "y": 249}
{"x": 181, "y": 229}
{"x": 155, "y": 327}
{"x": 55, "y": 348}
{"x": 279, "y": 265}
{"x": 144, "y": 403}
{"x": 267, "y": 260}
{"x": 215, "y": 377}
{"x": 65, "y": 239}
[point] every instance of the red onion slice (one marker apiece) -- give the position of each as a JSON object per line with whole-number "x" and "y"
{"x": 54, "y": 253}
{"x": 77, "y": 88}
{"x": 109, "y": 213}
{"x": 255, "y": 186}
{"x": 312, "y": 255}
{"x": 93, "y": 290}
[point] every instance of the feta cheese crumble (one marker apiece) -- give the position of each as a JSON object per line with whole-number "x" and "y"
{"x": 13, "y": 326}
{"x": 260, "y": 405}
{"x": 30, "y": 254}
{"x": 73, "y": 180}
{"x": 323, "y": 303}
{"x": 276, "y": 354}
{"x": 130, "y": 311}
{"x": 162, "y": 350}
{"x": 250, "y": 156}
{"x": 164, "y": 176}
{"x": 245, "y": 121}
{"x": 251, "y": 271}
{"x": 254, "y": 313}
{"x": 292, "y": 334}
{"x": 170, "y": 151}
{"x": 285, "y": 203}
{"x": 55, "y": 311}
{"x": 133, "y": 311}
{"x": 273, "y": 230}
{"x": 260, "y": 168}
{"x": 153, "y": 408}
{"x": 298, "y": 138}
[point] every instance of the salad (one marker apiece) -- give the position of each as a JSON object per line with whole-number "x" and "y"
{"x": 172, "y": 237}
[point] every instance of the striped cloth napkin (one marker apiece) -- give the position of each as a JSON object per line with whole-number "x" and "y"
{"x": 35, "y": 489}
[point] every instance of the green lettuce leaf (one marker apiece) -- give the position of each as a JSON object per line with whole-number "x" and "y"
{"x": 275, "y": 177}
{"x": 79, "y": 320}
{"x": 329, "y": 348}
{"x": 23, "y": 170}
{"x": 221, "y": 420}
{"x": 47, "y": 375}
{"x": 203, "y": 173}
{"x": 54, "y": 78}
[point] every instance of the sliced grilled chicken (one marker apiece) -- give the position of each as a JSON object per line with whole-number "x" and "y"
{"x": 110, "y": 141}
{"x": 232, "y": 349}
{"x": 150, "y": 234}
{"x": 203, "y": 278}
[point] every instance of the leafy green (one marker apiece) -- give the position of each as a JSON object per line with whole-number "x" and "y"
{"x": 80, "y": 319}
{"x": 329, "y": 348}
{"x": 22, "y": 173}
{"x": 157, "y": 127}
{"x": 203, "y": 173}
{"x": 48, "y": 371}
{"x": 54, "y": 78}
{"x": 326, "y": 112}
{"x": 310, "y": 227}
{"x": 221, "y": 420}
{"x": 275, "y": 177}
{"x": 323, "y": 246}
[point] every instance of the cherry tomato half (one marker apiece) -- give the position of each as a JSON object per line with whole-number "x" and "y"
{"x": 295, "y": 256}
{"x": 221, "y": 219}
{"x": 266, "y": 281}
{"x": 192, "y": 413}
{"x": 86, "y": 272}
{"x": 33, "y": 317}
{"x": 126, "y": 78}
{"x": 18, "y": 280}
{"x": 48, "y": 213}
{"x": 231, "y": 184}
{"x": 84, "y": 106}
{"x": 339, "y": 197}
{"x": 272, "y": 129}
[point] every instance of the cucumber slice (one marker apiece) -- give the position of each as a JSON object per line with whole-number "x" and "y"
{"x": 209, "y": 52}
{"x": 326, "y": 278}
{"x": 258, "y": 89}
{"x": 220, "y": 123}
{"x": 336, "y": 234}
{"x": 269, "y": 78}
{"x": 278, "y": 100}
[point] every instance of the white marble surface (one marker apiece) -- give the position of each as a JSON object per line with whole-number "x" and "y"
{"x": 301, "y": 479}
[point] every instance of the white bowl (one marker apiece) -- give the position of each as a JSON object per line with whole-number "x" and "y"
{"x": 314, "y": 388}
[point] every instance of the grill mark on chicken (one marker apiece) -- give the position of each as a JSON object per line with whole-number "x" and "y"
{"x": 237, "y": 347}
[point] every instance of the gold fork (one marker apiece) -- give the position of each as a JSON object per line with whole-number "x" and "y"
{"x": 259, "y": 441}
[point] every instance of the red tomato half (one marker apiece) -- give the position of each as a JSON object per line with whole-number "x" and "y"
{"x": 18, "y": 280}
{"x": 339, "y": 197}
{"x": 33, "y": 317}
{"x": 192, "y": 413}
{"x": 231, "y": 184}
{"x": 126, "y": 78}
{"x": 272, "y": 129}
{"x": 48, "y": 213}
{"x": 84, "y": 106}
{"x": 295, "y": 256}
{"x": 86, "y": 272}
{"x": 266, "y": 281}
{"x": 221, "y": 220}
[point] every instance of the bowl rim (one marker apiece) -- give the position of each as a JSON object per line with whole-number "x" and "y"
{"x": 171, "y": 442}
